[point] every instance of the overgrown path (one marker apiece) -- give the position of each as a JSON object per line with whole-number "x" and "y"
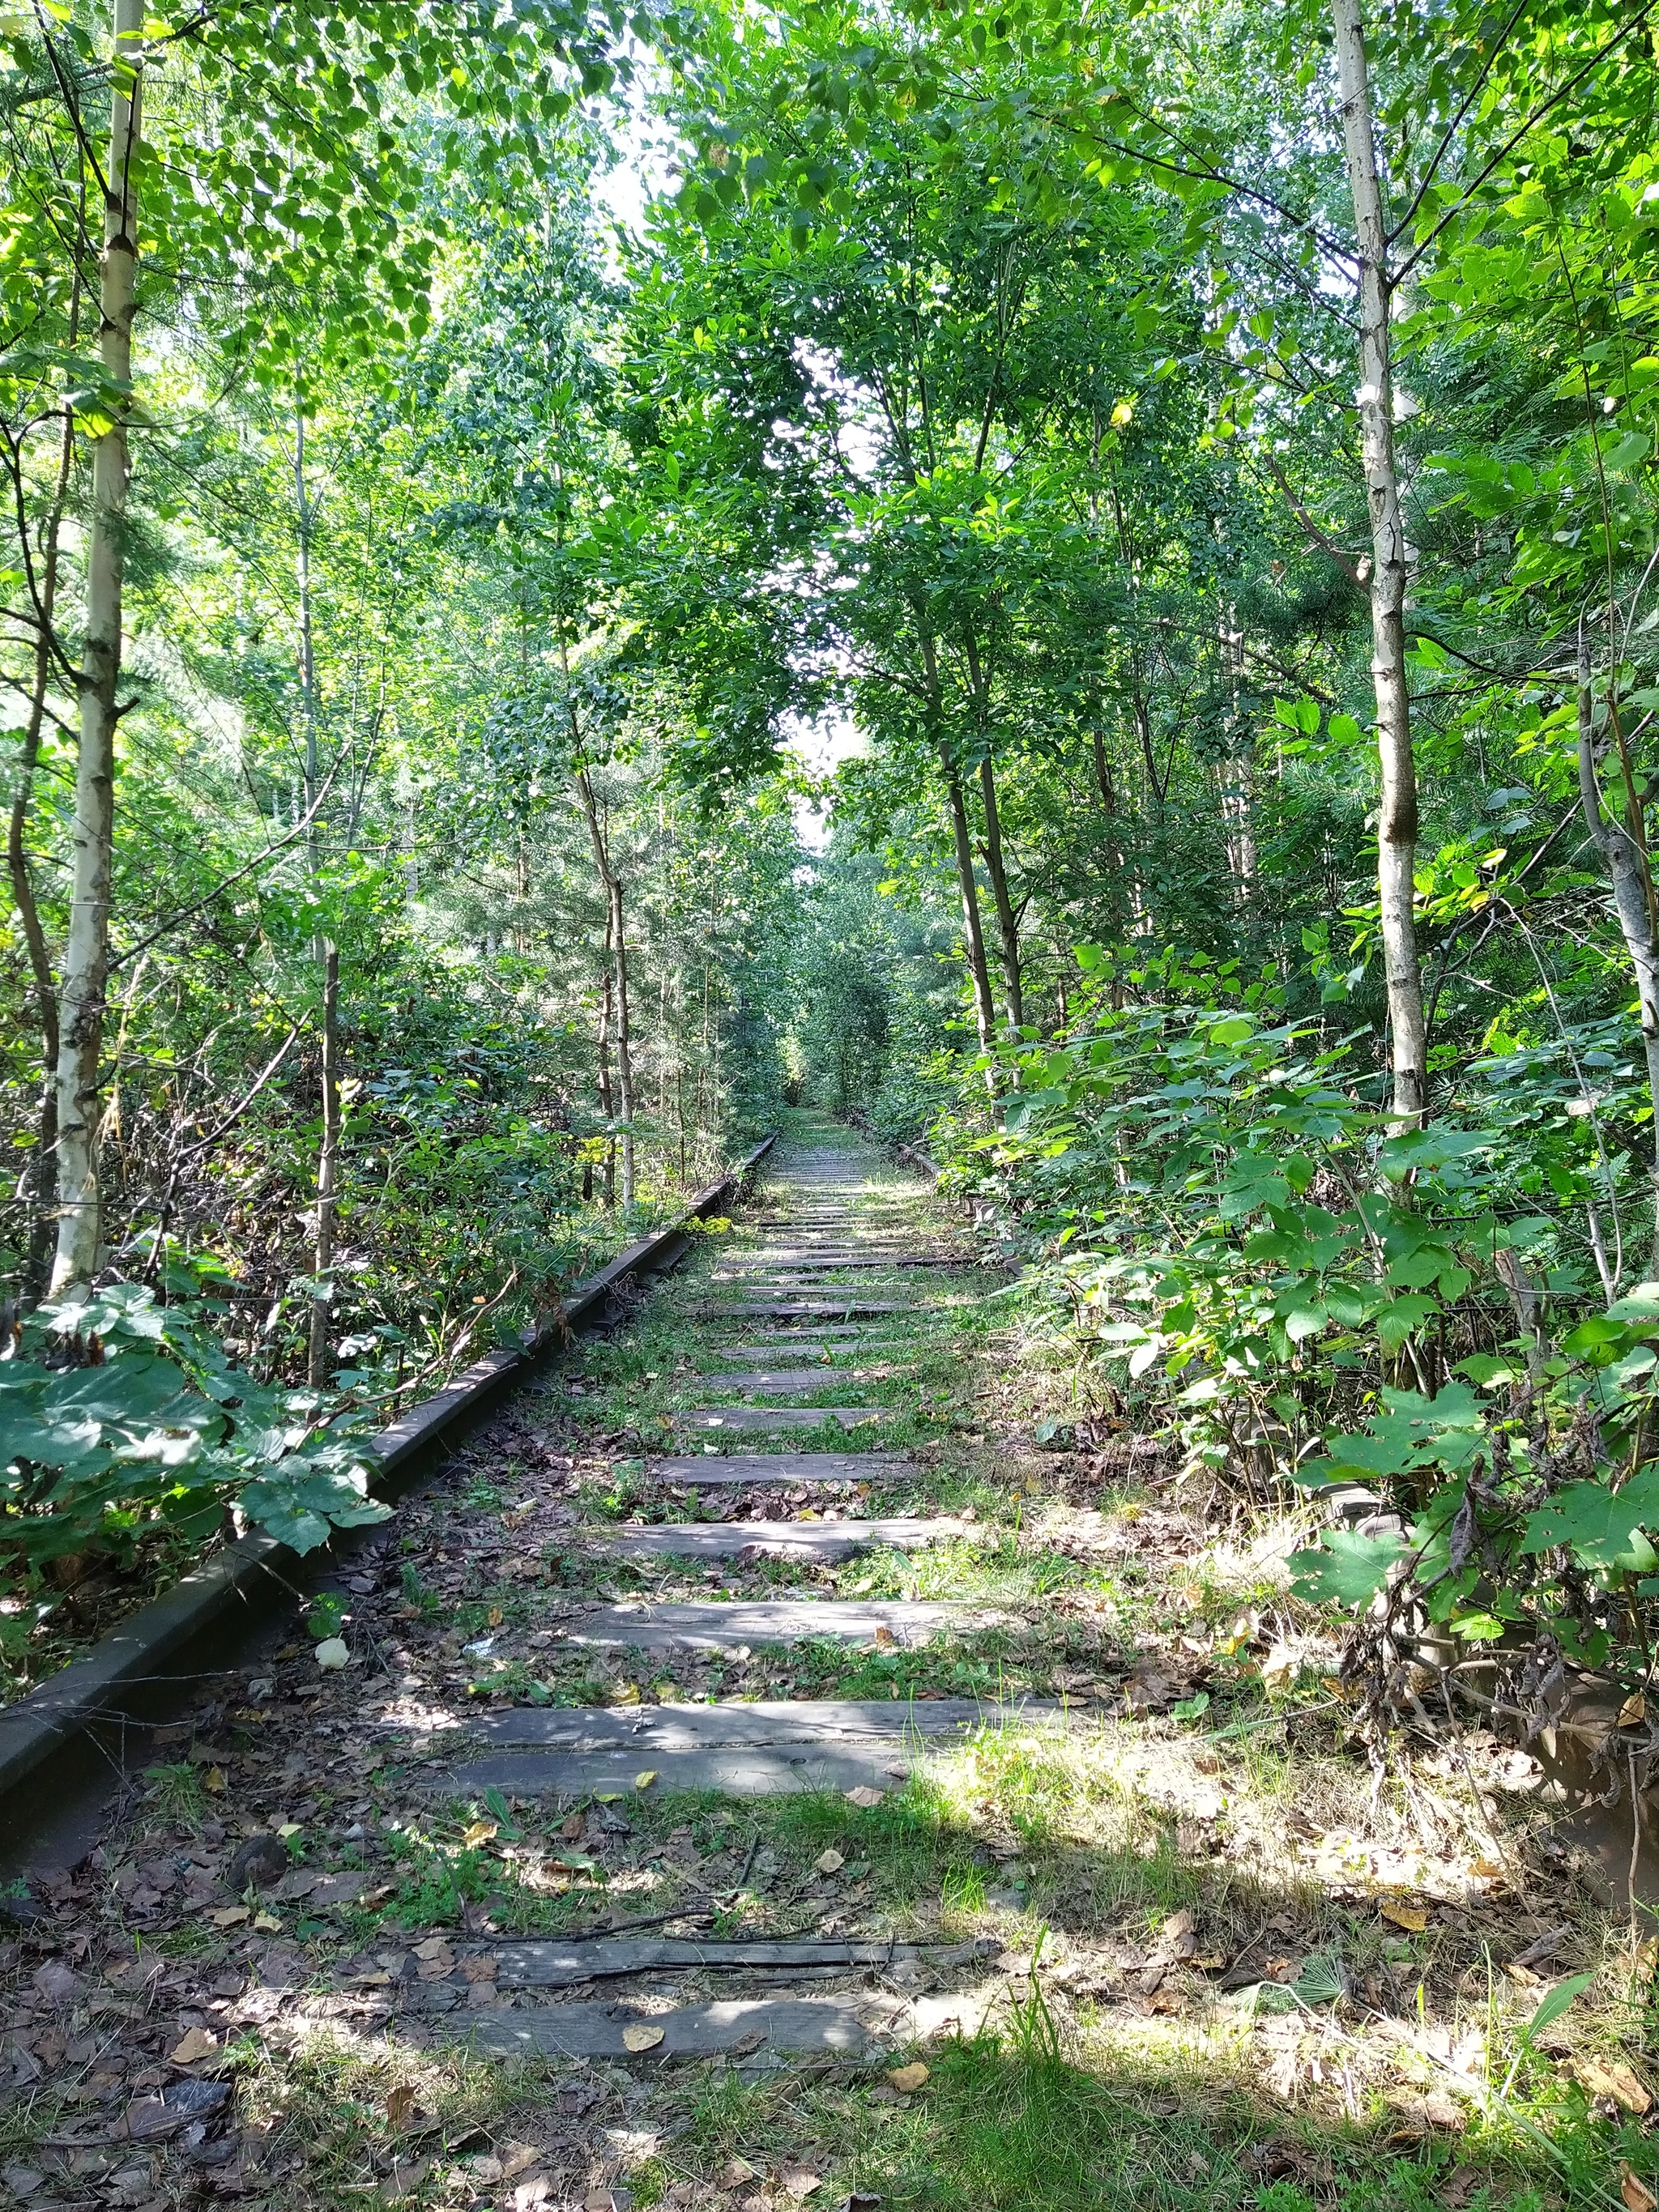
{"x": 769, "y": 1769}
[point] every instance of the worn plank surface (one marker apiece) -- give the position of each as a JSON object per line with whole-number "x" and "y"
{"x": 725, "y": 1628}
{"x": 761, "y": 1420}
{"x": 791, "y": 1467}
{"x": 849, "y": 2027}
{"x": 816, "y": 1540}
{"x": 547, "y": 1964}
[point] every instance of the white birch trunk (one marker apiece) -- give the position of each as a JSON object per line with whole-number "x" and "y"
{"x": 86, "y": 953}
{"x": 1396, "y": 820}
{"x": 1628, "y": 876}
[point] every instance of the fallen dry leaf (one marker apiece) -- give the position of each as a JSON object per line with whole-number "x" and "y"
{"x": 1634, "y": 1709}
{"x": 641, "y": 2037}
{"x": 214, "y": 1779}
{"x": 479, "y": 1833}
{"x": 267, "y": 1924}
{"x": 800, "y": 2181}
{"x": 885, "y": 1639}
{"x": 644, "y": 1780}
{"x": 1408, "y": 1917}
{"x": 865, "y": 1797}
{"x": 1634, "y": 2190}
{"x": 830, "y": 1861}
{"x": 494, "y": 1617}
{"x": 908, "y": 2078}
{"x": 1611, "y": 2077}
{"x": 515, "y": 2157}
{"x": 1279, "y": 1670}
{"x": 230, "y": 1916}
{"x": 400, "y": 2105}
{"x": 193, "y": 2048}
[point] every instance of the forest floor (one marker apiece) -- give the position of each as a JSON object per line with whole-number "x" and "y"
{"x": 666, "y": 1843}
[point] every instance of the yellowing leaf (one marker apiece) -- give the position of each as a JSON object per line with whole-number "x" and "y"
{"x": 1634, "y": 1709}
{"x": 641, "y": 2037}
{"x": 479, "y": 1833}
{"x": 494, "y": 1617}
{"x": 194, "y": 2047}
{"x": 288, "y": 1828}
{"x": 1611, "y": 2077}
{"x": 230, "y": 1915}
{"x": 908, "y": 2078}
{"x": 400, "y": 2105}
{"x": 214, "y": 1779}
{"x": 1409, "y": 1916}
{"x": 644, "y": 1780}
{"x": 607, "y": 1797}
{"x": 267, "y": 1924}
{"x": 830, "y": 1861}
{"x": 1638, "y": 2196}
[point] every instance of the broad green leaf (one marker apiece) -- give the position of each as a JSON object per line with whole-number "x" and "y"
{"x": 1348, "y": 1569}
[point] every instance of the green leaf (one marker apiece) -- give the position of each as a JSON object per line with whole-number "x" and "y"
{"x": 1349, "y": 1568}
{"x": 1559, "y": 1998}
{"x": 1598, "y": 1525}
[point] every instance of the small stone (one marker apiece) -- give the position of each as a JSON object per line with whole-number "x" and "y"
{"x": 263, "y": 1861}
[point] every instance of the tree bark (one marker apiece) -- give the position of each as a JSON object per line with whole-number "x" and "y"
{"x": 973, "y": 934}
{"x": 984, "y": 1011}
{"x": 1397, "y": 822}
{"x": 86, "y": 954}
{"x": 607, "y": 1101}
{"x": 1628, "y": 875}
{"x": 617, "y": 967}
{"x": 41, "y": 1176}
{"x": 1007, "y": 920}
{"x": 328, "y": 1160}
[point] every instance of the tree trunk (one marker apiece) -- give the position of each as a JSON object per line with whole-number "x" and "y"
{"x": 1627, "y": 872}
{"x": 1007, "y": 921}
{"x": 617, "y": 967}
{"x": 984, "y": 1012}
{"x": 624, "y": 1053}
{"x": 40, "y": 1178}
{"x": 328, "y": 1164}
{"x": 1397, "y": 821}
{"x": 973, "y": 935}
{"x": 607, "y": 1101}
{"x": 86, "y": 954}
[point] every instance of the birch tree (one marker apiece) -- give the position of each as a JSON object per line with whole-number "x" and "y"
{"x": 1388, "y": 580}
{"x": 86, "y": 954}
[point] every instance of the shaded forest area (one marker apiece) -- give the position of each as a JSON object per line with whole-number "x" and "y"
{"x": 1196, "y": 463}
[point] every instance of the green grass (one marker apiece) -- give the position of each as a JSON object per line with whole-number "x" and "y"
{"x": 1017, "y": 2123}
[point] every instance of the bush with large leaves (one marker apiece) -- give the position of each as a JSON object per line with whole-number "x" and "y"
{"x": 121, "y": 1413}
